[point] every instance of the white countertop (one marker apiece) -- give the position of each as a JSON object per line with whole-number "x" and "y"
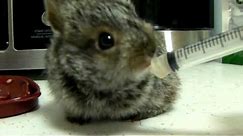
{"x": 211, "y": 102}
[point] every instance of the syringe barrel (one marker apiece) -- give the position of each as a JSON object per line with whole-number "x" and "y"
{"x": 207, "y": 50}
{"x": 210, "y": 49}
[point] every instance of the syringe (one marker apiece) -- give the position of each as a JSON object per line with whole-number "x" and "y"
{"x": 218, "y": 46}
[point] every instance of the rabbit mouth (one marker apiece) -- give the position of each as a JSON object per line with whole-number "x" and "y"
{"x": 140, "y": 63}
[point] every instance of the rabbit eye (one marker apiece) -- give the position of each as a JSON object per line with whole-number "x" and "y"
{"x": 106, "y": 41}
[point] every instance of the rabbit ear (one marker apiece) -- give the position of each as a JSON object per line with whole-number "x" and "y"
{"x": 53, "y": 14}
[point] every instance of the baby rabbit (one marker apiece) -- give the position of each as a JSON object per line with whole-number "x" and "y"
{"x": 98, "y": 62}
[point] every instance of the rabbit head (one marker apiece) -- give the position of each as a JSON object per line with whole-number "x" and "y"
{"x": 103, "y": 41}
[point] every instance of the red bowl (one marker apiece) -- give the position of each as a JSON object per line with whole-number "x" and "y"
{"x": 18, "y": 95}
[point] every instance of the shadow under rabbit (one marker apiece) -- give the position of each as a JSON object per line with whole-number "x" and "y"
{"x": 57, "y": 119}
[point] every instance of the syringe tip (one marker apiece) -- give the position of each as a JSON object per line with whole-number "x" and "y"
{"x": 160, "y": 66}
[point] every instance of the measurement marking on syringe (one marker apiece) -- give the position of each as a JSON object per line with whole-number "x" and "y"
{"x": 206, "y": 45}
{"x": 225, "y": 38}
{"x": 192, "y": 51}
{"x": 221, "y": 38}
{"x": 236, "y": 34}
{"x": 217, "y": 40}
{"x": 187, "y": 50}
{"x": 212, "y": 41}
{"x": 203, "y": 49}
{"x": 228, "y": 36}
{"x": 185, "y": 53}
{"x": 198, "y": 46}
{"x": 209, "y": 43}
{"x": 181, "y": 53}
{"x": 177, "y": 54}
{"x": 240, "y": 30}
{"x": 195, "y": 47}
{"x": 240, "y": 34}
{"x": 232, "y": 35}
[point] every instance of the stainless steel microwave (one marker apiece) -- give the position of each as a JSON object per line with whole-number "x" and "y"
{"x": 24, "y": 37}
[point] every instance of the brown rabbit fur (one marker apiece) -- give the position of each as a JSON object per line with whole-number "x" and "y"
{"x": 98, "y": 62}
